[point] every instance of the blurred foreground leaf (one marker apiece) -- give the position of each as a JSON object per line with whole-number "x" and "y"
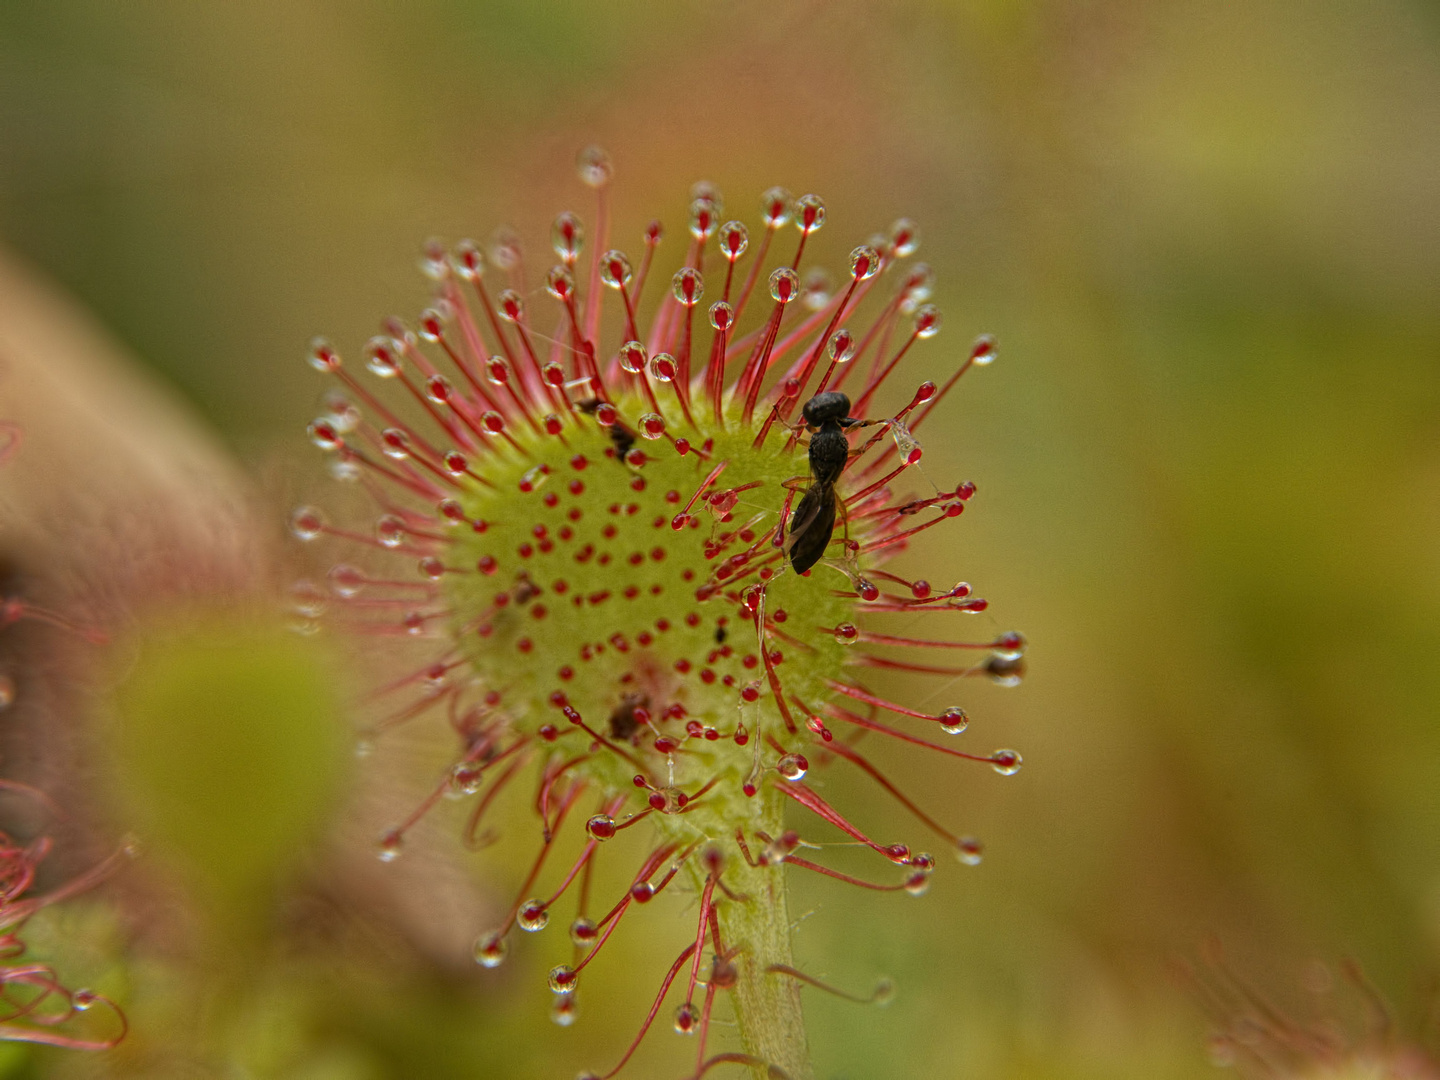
{"x": 228, "y": 747}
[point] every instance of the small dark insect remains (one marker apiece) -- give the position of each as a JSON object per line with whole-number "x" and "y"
{"x": 827, "y": 417}
{"x": 621, "y": 437}
{"x": 623, "y": 723}
{"x": 525, "y": 590}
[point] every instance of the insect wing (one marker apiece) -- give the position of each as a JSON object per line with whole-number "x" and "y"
{"x": 811, "y": 527}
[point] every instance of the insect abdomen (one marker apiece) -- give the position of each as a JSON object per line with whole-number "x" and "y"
{"x": 812, "y": 525}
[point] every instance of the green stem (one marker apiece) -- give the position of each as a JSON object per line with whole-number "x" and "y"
{"x": 755, "y": 929}
{"x": 767, "y": 1007}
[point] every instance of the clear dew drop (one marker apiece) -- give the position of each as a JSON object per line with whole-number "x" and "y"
{"x": 884, "y": 992}
{"x": 1005, "y": 672}
{"x": 439, "y": 389}
{"x": 342, "y": 413}
{"x": 927, "y": 321}
{"x": 780, "y": 848}
{"x": 984, "y": 350}
{"x": 704, "y": 217}
{"x": 784, "y": 285}
{"x": 792, "y": 767}
{"x": 347, "y": 472}
{"x": 818, "y": 289}
{"x": 809, "y": 213}
{"x": 841, "y": 346}
{"x": 864, "y": 263}
{"x": 307, "y": 523}
{"x": 595, "y": 167}
{"x": 308, "y": 599}
{"x": 323, "y": 356}
{"x": 722, "y": 315}
{"x": 435, "y": 678}
{"x": 776, "y": 204}
{"x": 904, "y": 238}
{"x": 687, "y": 1018}
{"x": 583, "y": 932}
{"x": 533, "y": 916}
{"x": 615, "y": 269}
{"x": 389, "y": 847}
{"x": 601, "y": 827}
{"x": 395, "y": 444}
{"x": 433, "y": 320}
{"x": 703, "y": 191}
{"x": 560, "y": 283}
{"x": 663, "y": 367}
{"x": 688, "y": 286}
{"x": 918, "y": 883}
{"x": 497, "y": 371}
{"x": 511, "y": 305}
{"x": 1011, "y": 645}
{"x": 491, "y": 949}
{"x": 467, "y": 261}
{"x": 1005, "y": 762}
{"x": 390, "y": 530}
{"x": 562, "y": 979}
{"x": 567, "y": 236}
{"x": 382, "y": 357}
{"x": 433, "y": 263}
{"x": 505, "y": 248}
{"x": 969, "y": 851}
{"x": 954, "y": 720}
{"x": 919, "y": 284}
{"x": 563, "y": 1011}
{"x": 325, "y": 435}
{"x": 364, "y": 747}
{"x": 466, "y": 778}
{"x": 652, "y": 425}
{"x": 83, "y": 999}
{"x": 847, "y": 633}
{"x": 632, "y": 357}
{"x": 734, "y": 239}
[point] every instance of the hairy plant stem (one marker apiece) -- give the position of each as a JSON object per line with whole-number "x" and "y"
{"x": 767, "y": 1006}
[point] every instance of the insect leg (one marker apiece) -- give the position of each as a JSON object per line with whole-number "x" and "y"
{"x": 795, "y": 429}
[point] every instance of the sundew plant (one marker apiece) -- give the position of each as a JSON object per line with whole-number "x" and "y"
{"x": 644, "y": 525}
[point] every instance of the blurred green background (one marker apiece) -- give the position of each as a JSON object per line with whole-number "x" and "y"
{"x": 1207, "y": 237}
